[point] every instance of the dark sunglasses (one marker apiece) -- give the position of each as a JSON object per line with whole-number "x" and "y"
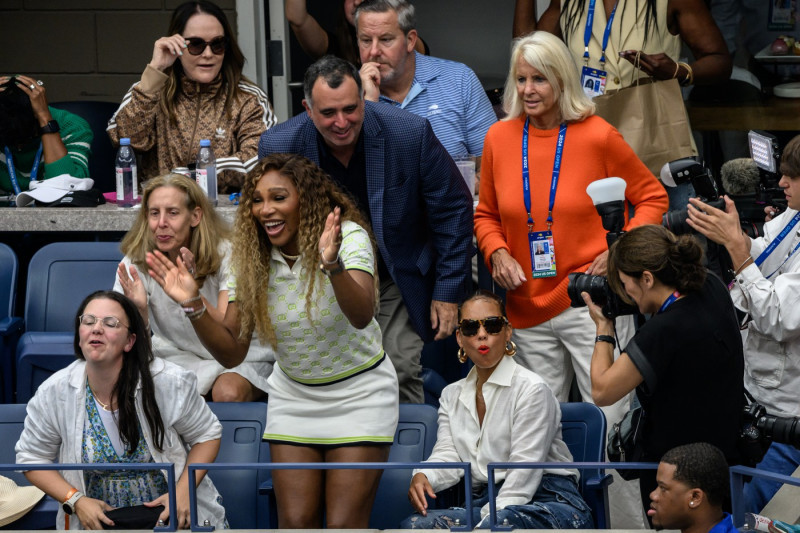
{"x": 492, "y": 324}
{"x": 197, "y": 46}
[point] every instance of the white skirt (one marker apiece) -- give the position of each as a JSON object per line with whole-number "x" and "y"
{"x": 360, "y": 409}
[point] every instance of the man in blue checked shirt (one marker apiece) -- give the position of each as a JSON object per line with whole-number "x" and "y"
{"x": 404, "y": 180}
{"x": 448, "y": 94}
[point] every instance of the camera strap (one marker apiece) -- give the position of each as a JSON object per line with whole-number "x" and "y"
{"x": 12, "y": 171}
{"x": 774, "y": 244}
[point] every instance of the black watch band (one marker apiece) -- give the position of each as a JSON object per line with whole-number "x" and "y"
{"x": 606, "y": 338}
{"x": 50, "y": 127}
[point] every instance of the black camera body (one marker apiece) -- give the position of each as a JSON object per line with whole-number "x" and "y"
{"x": 600, "y": 292}
{"x": 689, "y": 170}
{"x": 760, "y": 429}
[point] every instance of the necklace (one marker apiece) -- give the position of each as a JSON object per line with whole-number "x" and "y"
{"x": 105, "y": 406}
{"x": 287, "y": 256}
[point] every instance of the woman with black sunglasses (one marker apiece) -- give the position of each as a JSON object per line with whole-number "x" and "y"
{"x": 500, "y": 412}
{"x": 193, "y": 89}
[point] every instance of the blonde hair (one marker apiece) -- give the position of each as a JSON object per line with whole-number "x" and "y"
{"x": 205, "y": 239}
{"x": 549, "y": 55}
{"x": 252, "y": 249}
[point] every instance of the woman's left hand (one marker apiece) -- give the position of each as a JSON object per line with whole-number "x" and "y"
{"x": 596, "y": 312}
{"x": 183, "y": 516}
{"x": 37, "y": 95}
{"x": 599, "y": 266}
{"x": 660, "y": 66}
{"x": 331, "y": 238}
{"x": 176, "y": 280}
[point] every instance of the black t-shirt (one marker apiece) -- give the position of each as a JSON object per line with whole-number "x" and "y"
{"x": 692, "y": 362}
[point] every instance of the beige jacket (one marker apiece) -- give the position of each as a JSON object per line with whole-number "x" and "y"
{"x": 201, "y": 114}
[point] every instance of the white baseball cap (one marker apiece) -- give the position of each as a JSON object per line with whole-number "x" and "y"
{"x": 52, "y": 189}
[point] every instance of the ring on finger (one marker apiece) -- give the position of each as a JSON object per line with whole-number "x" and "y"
{"x": 40, "y": 83}
{"x": 32, "y": 86}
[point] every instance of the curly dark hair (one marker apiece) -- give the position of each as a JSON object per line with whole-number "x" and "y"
{"x": 703, "y": 466}
{"x": 135, "y": 369}
{"x": 18, "y": 125}
{"x": 675, "y": 261}
{"x": 318, "y": 195}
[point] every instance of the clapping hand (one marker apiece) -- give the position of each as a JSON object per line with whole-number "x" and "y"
{"x": 133, "y": 287}
{"x": 331, "y": 239}
{"x": 174, "y": 278}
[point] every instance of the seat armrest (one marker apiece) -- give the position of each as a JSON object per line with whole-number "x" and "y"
{"x": 595, "y": 482}
{"x": 266, "y": 488}
{"x": 11, "y": 325}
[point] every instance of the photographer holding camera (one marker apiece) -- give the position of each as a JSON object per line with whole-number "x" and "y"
{"x": 686, "y": 362}
{"x": 767, "y": 287}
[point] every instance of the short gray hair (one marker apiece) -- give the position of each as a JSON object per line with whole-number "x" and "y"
{"x": 334, "y": 70}
{"x": 406, "y": 16}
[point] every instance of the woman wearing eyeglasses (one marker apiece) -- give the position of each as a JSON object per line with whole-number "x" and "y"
{"x": 193, "y": 89}
{"x": 500, "y": 412}
{"x": 119, "y": 404}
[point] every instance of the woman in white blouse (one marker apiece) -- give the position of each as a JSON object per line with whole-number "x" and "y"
{"x": 501, "y": 412}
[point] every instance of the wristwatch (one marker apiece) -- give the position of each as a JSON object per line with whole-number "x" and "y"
{"x": 50, "y": 127}
{"x": 69, "y": 503}
{"x": 338, "y": 269}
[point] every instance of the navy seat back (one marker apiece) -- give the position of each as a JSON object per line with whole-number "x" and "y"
{"x": 242, "y": 429}
{"x": 43, "y": 515}
{"x": 61, "y": 275}
{"x": 101, "y": 161}
{"x": 40, "y": 354}
{"x": 583, "y": 428}
{"x": 413, "y": 443}
{"x": 9, "y": 326}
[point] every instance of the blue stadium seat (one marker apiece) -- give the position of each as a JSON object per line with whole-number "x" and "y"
{"x": 60, "y": 276}
{"x": 10, "y": 326}
{"x": 242, "y": 429}
{"x": 413, "y": 442}
{"x": 583, "y": 428}
{"x": 43, "y": 515}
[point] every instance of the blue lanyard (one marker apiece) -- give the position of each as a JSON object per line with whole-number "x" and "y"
{"x": 774, "y": 244}
{"x": 12, "y": 171}
{"x": 526, "y": 184}
{"x": 671, "y": 299}
{"x": 587, "y": 32}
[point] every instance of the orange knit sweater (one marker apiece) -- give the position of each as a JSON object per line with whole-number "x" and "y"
{"x": 593, "y": 150}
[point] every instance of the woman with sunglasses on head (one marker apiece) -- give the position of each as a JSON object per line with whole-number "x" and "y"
{"x": 304, "y": 265}
{"x": 177, "y": 219}
{"x": 686, "y": 362}
{"x": 500, "y": 412}
{"x": 119, "y": 404}
{"x": 193, "y": 89}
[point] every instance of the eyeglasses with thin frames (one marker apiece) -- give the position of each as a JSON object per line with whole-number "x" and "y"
{"x": 197, "y": 46}
{"x": 108, "y": 321}
{"x": 492, "y": 324}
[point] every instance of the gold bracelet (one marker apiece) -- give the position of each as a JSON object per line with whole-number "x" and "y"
{"x": 677, "y": 68}
{"x": 689, "y": 79}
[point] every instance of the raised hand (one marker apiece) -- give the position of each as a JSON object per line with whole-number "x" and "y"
{"x": 331, "y": 239}
{"x": 175, "y": 279}
{"x": 371, "y": 80}
{"x": 166, "y": 50}
{"x": 133, "y": 287}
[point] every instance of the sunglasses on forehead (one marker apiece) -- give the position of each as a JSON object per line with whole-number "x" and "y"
{"x": 492, "y": 324}
{"x": 197, "y": 46}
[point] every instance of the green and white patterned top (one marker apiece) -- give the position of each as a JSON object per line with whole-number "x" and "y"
{"x": 325, "y": 347}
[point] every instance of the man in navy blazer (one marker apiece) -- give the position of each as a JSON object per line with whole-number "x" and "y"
{"x": 420, "y": 207}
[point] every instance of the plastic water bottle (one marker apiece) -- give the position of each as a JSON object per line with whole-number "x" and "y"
{"x": 207, "y": 170}
{"x": 127, "y": 184}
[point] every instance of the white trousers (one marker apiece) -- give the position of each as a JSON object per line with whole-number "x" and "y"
{"x": 561, "y": 349}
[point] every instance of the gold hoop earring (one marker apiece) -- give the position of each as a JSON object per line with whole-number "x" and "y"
{"x": 462, "y": 357}
{"x": 511, "y": 349}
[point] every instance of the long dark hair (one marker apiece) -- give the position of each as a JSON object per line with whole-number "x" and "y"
{"x": 675, "y": 261}
{"x": 572, "y": 11}
{"x": 135, "y": 369}
{"x": 232, "y": 62}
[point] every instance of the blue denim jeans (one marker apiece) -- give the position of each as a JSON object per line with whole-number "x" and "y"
{"x": 781, "y": 459}
{"x": 557, "y": 504}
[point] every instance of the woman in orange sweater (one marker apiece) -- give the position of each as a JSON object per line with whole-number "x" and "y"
{"x": 550, "y": 130}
